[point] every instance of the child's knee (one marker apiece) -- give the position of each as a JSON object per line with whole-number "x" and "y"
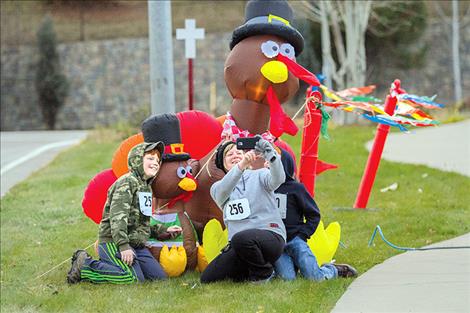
{"x": 239, "y": 240}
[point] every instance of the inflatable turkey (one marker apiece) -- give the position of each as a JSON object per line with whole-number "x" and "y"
{"x": 261, "y": 73}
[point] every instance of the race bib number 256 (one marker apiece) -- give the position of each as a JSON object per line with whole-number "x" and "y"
{"x": 237, "y": 209}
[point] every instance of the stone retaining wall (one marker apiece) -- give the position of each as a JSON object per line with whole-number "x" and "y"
{"x": 109, "y": 82}
{"x": 110, "y": 79}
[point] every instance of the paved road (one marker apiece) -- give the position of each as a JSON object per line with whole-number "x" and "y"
{"x": 22, "y": 153}
{"x": 420, "y": 281}
{"x": 446, "y": 147}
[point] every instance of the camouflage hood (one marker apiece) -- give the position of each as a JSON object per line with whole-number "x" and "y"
{"x": 135, "y": 161}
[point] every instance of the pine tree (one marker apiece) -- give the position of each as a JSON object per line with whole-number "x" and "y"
{"x": 51, "y": 85}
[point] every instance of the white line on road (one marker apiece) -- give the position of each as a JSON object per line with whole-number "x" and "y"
{"x": 37, "y": 152}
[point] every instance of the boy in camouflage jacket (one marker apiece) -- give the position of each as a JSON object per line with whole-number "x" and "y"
{"x": 125, "y": 226}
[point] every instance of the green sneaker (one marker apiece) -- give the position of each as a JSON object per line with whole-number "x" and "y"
{"x": 78, "y": 259}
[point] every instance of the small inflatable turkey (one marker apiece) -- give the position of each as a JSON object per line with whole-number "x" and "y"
{"x": 173, "y": 186}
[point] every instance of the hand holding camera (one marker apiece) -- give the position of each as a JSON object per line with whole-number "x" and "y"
{"x": 266, "y": 149}
{"x": 248, "y": 158}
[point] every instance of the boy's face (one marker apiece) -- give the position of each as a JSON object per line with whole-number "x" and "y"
{"x": 151, "y": 163}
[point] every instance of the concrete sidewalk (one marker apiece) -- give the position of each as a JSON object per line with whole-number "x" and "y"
{"x": 415, "y": 281}
{"x": 420, "y": 281}
{"x": 445, "y": 147}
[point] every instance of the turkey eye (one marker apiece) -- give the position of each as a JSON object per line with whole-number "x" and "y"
{"x": 270, "y": 49}
{"x": 287, "y": 50}
{"x": 189, "y": 169}
{"x": 181, "y": 172}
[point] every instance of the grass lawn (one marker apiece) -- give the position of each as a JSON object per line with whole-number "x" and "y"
{"x": 42, "y": 224}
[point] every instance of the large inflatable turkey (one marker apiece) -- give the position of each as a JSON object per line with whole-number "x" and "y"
{"x": 261, "y": 73}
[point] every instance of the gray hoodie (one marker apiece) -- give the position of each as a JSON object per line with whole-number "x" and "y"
{"x": 259, "y": 210}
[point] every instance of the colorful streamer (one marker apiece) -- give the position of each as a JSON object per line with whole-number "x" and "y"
{"x": 407, "y": 112}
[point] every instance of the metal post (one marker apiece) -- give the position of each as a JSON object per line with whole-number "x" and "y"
{"x": 190, "y": 84}
{"x": 162, "y": 85}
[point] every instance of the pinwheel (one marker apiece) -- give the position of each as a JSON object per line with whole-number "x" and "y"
{"x": 407, "y": 111}
{"x": 421, "y": 101}
{"x": 356, "y": 91}
{"x": 384, "y": 119}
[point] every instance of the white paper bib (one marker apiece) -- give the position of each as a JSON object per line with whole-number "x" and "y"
{"x": 281, "y": 202}
{"x": 145, "y": 203}
{"x": 237, "y": 209}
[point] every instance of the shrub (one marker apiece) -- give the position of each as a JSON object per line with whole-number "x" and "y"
{"x": 51, "y": 85}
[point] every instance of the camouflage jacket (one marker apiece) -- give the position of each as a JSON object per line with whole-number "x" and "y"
{"x": 123, "y": 223}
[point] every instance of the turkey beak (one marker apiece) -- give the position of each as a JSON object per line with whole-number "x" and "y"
{"x": 298, "y": 71}
{"x": 188, "y": 184}
{"x": 275, "y": 71}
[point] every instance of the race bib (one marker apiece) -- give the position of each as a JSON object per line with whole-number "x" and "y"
{"x": 281, "y": 202}
{"x": 145, "y": 203}
{"x": 237, "y": 209}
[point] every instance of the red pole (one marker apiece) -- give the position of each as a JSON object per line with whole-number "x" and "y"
{"x": 309, "y": 153}
{"x": 375, "y": 154}
{"x": 190, "y": 83}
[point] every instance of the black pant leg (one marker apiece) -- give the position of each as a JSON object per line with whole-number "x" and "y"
{"x": 226, "y": 265}
{"x": 259, "y": 249}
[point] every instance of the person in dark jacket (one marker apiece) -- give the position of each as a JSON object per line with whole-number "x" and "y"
{"x": 301, "y": 216}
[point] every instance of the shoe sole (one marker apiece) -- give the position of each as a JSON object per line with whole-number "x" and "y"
{"x": 74, "y": 275}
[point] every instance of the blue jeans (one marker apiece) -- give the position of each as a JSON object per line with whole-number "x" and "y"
{"x": 298, "y": 256}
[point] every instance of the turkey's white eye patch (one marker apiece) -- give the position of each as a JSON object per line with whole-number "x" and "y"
{"x": 181, "y": 172}
{"x": 270, "y": 49}
{"x": 287, "y": 50}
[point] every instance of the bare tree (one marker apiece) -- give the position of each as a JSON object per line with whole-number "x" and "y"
{"x": 455, "y": 52}
{"x": 336, "y": 18}
{"x": 344, "y": 26}
{"x": 456, "y": 25}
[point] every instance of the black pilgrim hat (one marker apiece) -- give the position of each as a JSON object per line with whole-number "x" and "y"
{"x": 269, "y": 17}
{"x": 165, "y": 128}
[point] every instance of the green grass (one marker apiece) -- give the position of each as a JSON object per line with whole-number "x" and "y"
{"x": 42, "y": 224}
